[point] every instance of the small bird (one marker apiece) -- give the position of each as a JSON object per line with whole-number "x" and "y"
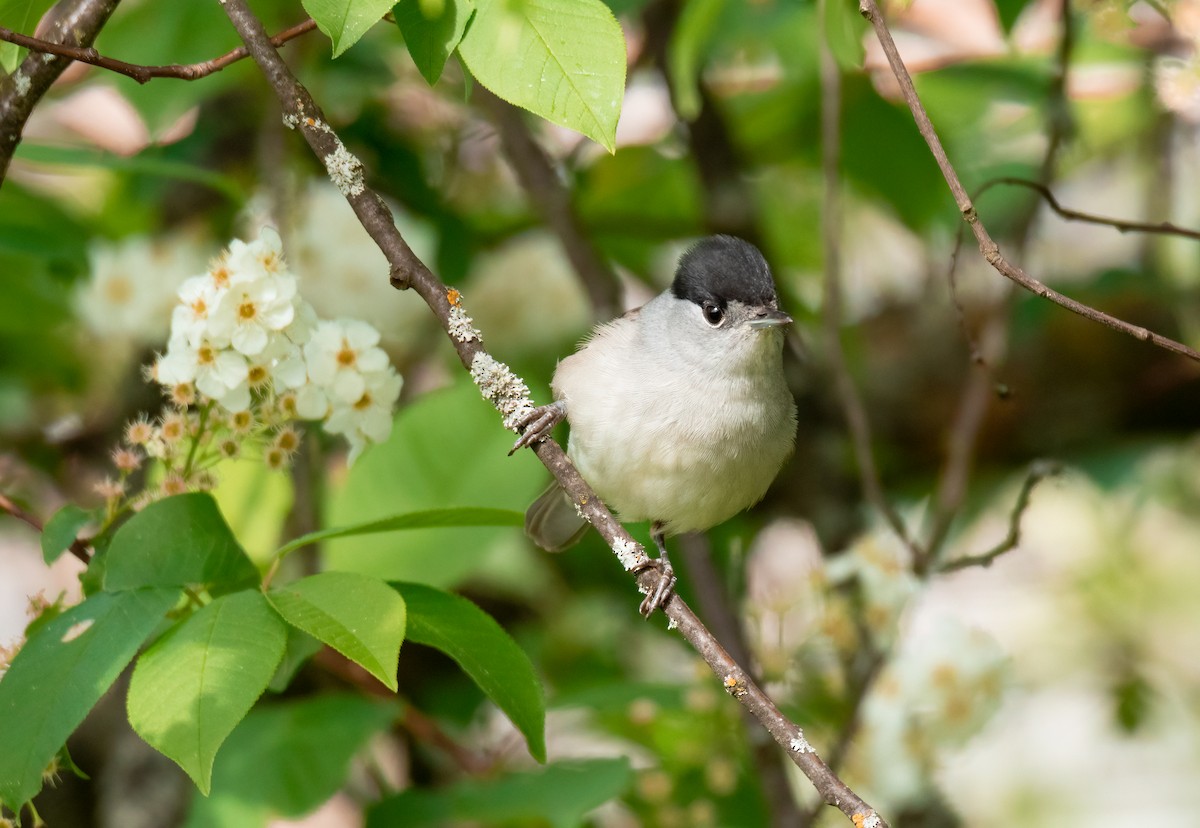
{"x": 679, "y": 410}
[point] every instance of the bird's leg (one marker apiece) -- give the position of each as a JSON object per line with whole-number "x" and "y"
{"x": 661, "y": 593}
{"x": 538, "y": 423}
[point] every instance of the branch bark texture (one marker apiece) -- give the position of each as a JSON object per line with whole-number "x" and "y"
{"x": 510, "y": 395}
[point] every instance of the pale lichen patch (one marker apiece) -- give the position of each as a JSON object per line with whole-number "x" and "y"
{"x": 502, "y": 388}
{"x": 630, "y": 554}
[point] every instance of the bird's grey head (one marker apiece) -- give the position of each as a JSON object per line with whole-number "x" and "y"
{"x": 730, "y": 282}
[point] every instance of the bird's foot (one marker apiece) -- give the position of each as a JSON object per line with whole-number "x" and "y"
{"x": 661, "y": 592}
{"x": 538, "y": 423}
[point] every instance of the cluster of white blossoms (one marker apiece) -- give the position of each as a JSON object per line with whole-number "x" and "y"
{"x": 245, "y": 339}
{"x": 246, "y": 358}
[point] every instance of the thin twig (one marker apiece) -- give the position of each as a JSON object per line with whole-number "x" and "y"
{"x": 1038, "y": 472}
{"x": 988, "y": 247}
{"x": 71, "y": 22}
{"x": 1122, "y": 225}
{"x": 145, "y": 74}
{"x": 553, "y": 202}
{"x": 851, "y": 402}
{"x": 78, "y": 548}
{"x": 504, "y": 389}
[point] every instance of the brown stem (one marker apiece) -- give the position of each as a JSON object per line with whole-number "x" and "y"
{"x": 503, "y": 389}
{"x": 145, "y": 74}
{"x": 990, "y": 250}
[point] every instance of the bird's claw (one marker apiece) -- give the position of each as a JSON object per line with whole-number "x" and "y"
{"x": 662, "y": 590}
{"x": 538, "y": 424}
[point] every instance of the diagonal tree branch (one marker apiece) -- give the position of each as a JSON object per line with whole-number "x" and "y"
{"x": 990, "y": 250}
{"x": 71, "y": 22}
{"x": 511, "y": 397}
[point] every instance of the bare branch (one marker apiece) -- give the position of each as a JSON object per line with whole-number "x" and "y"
{"x": 510, "y": 394}
{"x": 552, "y": 201}
{"x": 145, "y": 74}
{"x": 988, "y": 247}
{"x": 1165, "y": 228}
{"x": 1038, "y": 472}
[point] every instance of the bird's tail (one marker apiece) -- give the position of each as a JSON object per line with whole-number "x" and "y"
{"x": 552, "y": 522}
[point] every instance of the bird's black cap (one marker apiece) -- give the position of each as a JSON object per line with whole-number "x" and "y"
{"x": 722, "y": 269}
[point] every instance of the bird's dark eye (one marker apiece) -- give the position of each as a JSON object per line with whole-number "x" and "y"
{"x": 713, "y": 313}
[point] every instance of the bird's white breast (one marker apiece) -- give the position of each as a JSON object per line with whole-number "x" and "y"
{"x": 668, "y": 432}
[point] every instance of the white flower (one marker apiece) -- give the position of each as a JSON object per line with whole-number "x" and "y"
{"x": 251, "y": 309}
{"x": 132, "y": 286}
{"x": 369, "y": 418}
{"x": 198, "y": 297}
{"x": 339, "y": 353}
{"x": 218, "y": 373}
{"x": 251, "y": 261}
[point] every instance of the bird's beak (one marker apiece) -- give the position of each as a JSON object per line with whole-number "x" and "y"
{"x": 769, "y": 319}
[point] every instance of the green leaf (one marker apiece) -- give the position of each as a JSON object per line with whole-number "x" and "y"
{"x": 20, "y": 16}
{"x": 427, "y": 519}
{"x": 562, "y": 60}
{"x": 179, "y": 541}
{"x": 345, "y": 21}
{"x": 287, "y": 759}
{"x": 192, "y": 686}
{"x": 420, "y": 468}
{"x": 558, "y": 794}
{"x": 432, "y": 30}
{"x": 59, "y": 675}
{"x": 61, "y": 531}
{"x": 485, "y": 652}
{"x": 359, "y": 616}
{"x": 1008, "y": 12}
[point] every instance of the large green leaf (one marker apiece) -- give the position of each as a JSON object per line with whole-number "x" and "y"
{"x": 179, "y": 541}
{"x": 20, "y": 16}
{"x": 447, "y": 450}
{"x": 485, "y": 651}
{"x": 432, "y": 30}
{"x": 59, "y": 675}
{"x": 285, "y": 760}
{"x": 345, "y": 21}
{"x": 192, "y": 687}
{"x": 562, "y": 59}
{"x": 426, "y": 519}
{"x": 359, "y": 616}
{"x": 558, "y": 795}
